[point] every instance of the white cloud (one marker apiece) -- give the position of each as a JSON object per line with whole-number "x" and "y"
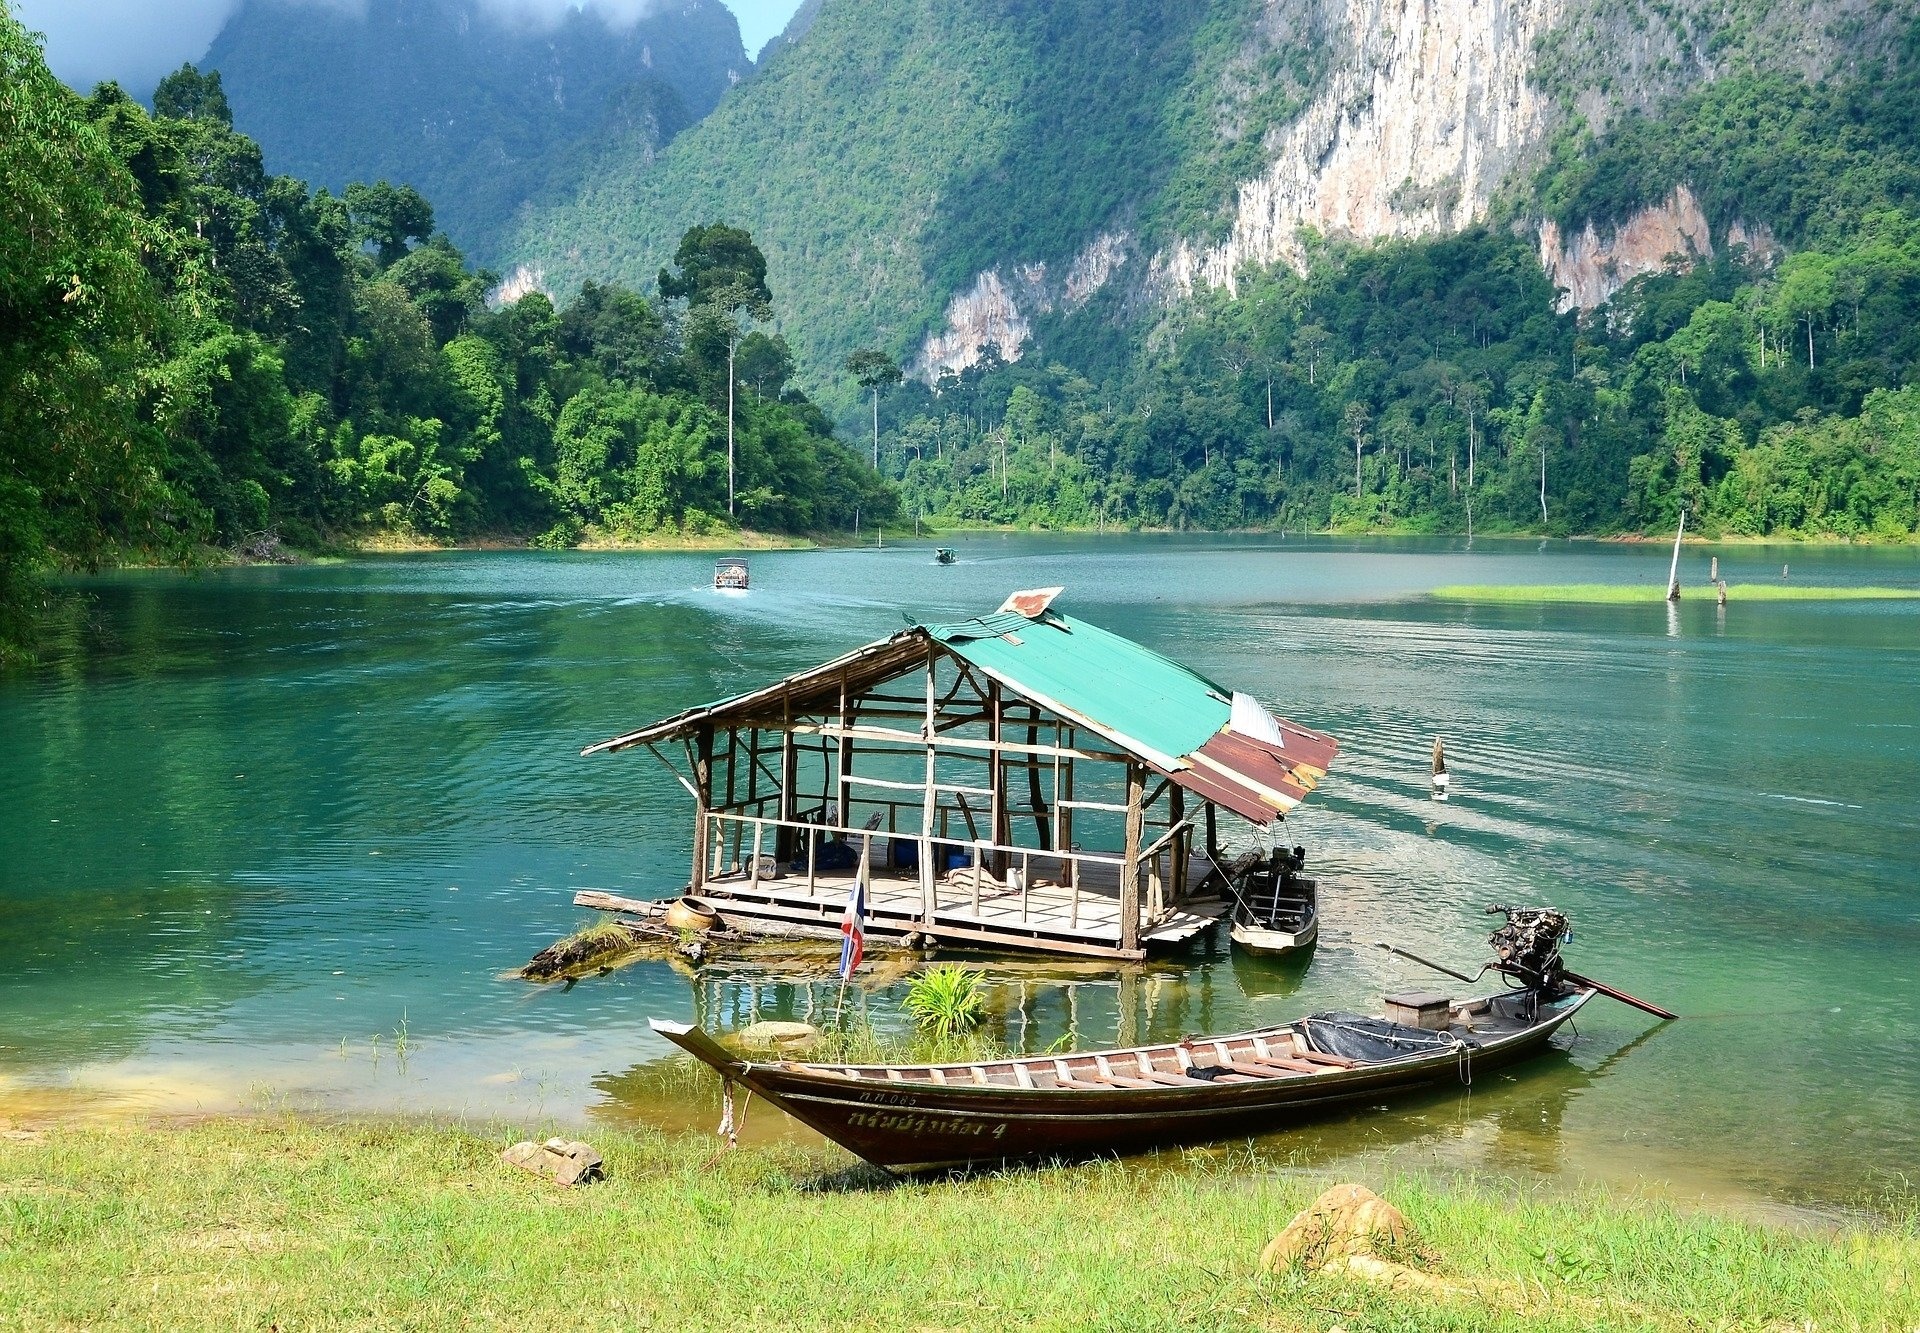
{"x": 134, "y": 41}
{"x": 137, "y": 41}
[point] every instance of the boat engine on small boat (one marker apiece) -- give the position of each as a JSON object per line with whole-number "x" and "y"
{"x": 910, "y": 1117}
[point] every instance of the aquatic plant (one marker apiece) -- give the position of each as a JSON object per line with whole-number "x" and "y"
{"x": 946, "y": 1001}
{"x": 1611, "y": 593}
{"x": 585, "y": 948}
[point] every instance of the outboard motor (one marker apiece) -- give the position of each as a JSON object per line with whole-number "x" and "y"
{"x": 1527, "y": 947}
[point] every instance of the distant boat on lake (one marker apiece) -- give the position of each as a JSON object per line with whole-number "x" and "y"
{"x": 944, "y": 555}
{"x": 730, "y": 574}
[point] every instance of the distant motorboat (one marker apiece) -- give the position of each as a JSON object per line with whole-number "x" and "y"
{"x": 944, "y": 555}
{"x": 730, "y": 574}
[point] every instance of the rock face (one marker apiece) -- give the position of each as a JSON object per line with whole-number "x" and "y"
{"x": 1415, "y": 128}
{"x": 1427, "y": 110}
{"x": 1590, "y": 268}
{"x": 994, "y": 310}
{"x": 1427, "y": 107}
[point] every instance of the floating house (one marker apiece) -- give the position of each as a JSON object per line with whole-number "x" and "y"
{"x": 1020, "y": 780}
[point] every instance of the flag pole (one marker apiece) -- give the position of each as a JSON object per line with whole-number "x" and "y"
{"x": 856, "y": 910}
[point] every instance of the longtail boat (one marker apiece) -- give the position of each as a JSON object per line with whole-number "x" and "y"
{"x": 915, "y": 1117}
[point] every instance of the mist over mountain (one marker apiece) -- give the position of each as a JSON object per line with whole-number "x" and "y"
{"x": 482, "y": 105}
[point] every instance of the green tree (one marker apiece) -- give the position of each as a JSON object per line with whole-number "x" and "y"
{"x": 79, "y": 468}
{"x": 387, "y": 217}
{"x": 874, "y": 370}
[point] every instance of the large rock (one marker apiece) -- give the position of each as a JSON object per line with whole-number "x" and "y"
{"x": 1346, "y": 1220}
{"x": 771, "y": 1036}
{"x": 569, "y": 1162}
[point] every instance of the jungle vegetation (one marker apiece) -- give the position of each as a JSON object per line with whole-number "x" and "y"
{"x": 194, "y": 352}
{"x": 1433, "y": 385}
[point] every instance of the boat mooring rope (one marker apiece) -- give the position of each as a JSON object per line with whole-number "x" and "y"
{"x": 730, "y": 1121}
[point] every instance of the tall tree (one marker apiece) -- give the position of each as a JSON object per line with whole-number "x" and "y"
{"x": 78, "y": 467}
{"x": 874, "y": 370}
{"x": 722, "y": 276}
{"x": 387, "y": 217}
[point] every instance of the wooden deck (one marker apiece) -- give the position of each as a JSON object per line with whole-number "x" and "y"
{"x": 1046, "y": 917}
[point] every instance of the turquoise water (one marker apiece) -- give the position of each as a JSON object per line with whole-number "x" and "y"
{"x": 272, "y": 836}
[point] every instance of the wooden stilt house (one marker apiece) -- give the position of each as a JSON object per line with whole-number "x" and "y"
{"x": 1027, "y": 781}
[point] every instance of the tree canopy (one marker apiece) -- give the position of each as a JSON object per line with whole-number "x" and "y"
{"x": 195, "y": 352}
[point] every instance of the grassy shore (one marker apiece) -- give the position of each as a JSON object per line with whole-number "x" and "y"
{"x": 1650, "y": 594}
{"x": 295, "y": 1223}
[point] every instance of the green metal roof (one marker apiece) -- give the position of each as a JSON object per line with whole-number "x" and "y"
{"x": 1131, "y": 694}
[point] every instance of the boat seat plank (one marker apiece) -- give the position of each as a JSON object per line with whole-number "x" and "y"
{"x": 1259, "y": 1069}
{"x": 1287, "y": 1062}
{"x": 1165, "y": 1079}
{"x": 1331, "y": 1061}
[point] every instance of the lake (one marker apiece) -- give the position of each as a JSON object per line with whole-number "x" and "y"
{"x": 273, "y": 836}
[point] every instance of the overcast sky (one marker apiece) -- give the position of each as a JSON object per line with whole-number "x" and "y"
{"x": 136, "y": 41}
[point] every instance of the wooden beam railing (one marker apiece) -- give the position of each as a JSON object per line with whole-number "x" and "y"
{"x": 764, "y": 832}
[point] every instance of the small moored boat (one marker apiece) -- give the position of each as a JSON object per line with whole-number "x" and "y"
{"x": 1276, "y": 910}
{"x": 730, "y": 574}
{"x": 909, "y": 1117}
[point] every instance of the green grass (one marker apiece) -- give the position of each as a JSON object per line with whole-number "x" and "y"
{"x": 1612, "y": 593}
{"x": 296, "y": 1223}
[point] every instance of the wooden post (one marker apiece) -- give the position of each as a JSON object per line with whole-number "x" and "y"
{"x": 1176, "y": 812}
{"x": 842, "y": 797}
{"x": 1130, "y": 870}
{"x": 733, "y": 797}
{"x": 997, "y": 780}
{"x": 703, "y": 801}
{"x": 1042, "y": 816}
{"x": 1064, "y": 791}
{"x": 789, "y": 778}
{"x": 927, "y": 882}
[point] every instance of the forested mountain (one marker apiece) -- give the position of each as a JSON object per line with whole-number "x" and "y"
{"x": 1311, "y": 261}
{"x": 471, "y": 102}
{"x": 194, "y": 351}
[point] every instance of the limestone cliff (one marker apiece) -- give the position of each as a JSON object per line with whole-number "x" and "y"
{"x": 1412, "y": 133}
{"x": 991, "y": 311}
{"x": 1427, "y": 112}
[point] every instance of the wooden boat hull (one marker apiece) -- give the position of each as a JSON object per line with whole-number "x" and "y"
{"x": 909, "y": 1124}
{"x": 1274, "y": 943}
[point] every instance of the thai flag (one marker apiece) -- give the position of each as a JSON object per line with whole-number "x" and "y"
{"x": 853, "y": 928}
